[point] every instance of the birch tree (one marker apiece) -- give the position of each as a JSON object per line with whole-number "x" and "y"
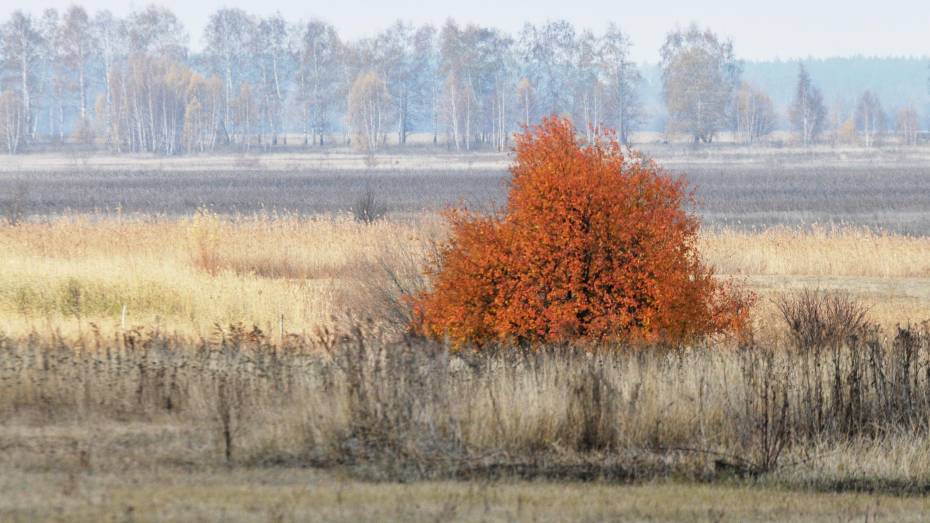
{"x": 319, "y": 78}
{"x": 870, "y": 118}
{"x": 589, "y": 84}
{"x": 78, "y": 47}
{"x": 274, "y": 60}
{"x": 622, "y": 81}
{"x": 699, "y": 73}
{"x": 907, "y": 125}
{"x": 367, "y": 108}
{"x": 227, "y": 38}
{"x": 807, "y": 113}
{"x": 112, "y": 42}
{"x": 57, "y": 75}
{"x": 754, "y": 114}
{"x": 548, "y": 56}
{"x": 22, "y": 46}
{"x": 156, "y": 31}
{"x": 12, "y": 121}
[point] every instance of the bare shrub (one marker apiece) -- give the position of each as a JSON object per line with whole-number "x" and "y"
{"x": 817, "y": 319}
{"x": 368, "y": 209}
{"x": 766, "y": 427}
{"x": 398, "y": 405}
{"x": 228, "y": 399}
{"x": 385, "y": 287}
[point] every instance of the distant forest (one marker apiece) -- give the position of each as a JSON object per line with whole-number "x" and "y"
{"x": 898, "y": 81}
{"x": 133, "y": 84}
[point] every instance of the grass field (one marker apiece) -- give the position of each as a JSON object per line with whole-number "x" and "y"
{"x": 174, "y": 355}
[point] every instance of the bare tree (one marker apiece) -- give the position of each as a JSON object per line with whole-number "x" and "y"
{"x": 227, "y": 37}
{"x": 57, "y": 73}
{"x": 589, "y": 84}
{"x": 622, "y": 81}
{"x": 527, "y": 100}
{"x": 426, "y": 71}
{"x": 456, "y": 95}
{"x": 320, "y": 77}
{"x": 406, "y": 58}
{"x": 245, "y": 114}
{"x": 548, "y": 55}
{"x": 907, "y": 125}
{"x": 22, "y": 48}
{"x": 807, "y": 113}
{"x": 754, "y": 114}
{"x": 156, "y": 31}
{"x": 394, "y": 58}
{"x": 12, "y": 121}
{"x": 699, "y": 73}
{"x": 479, "y": 82}
{"x": 491, "y": 79}
{"x": 367, "y": 108}
{"x": 273, "y": 52}
{"x": 870, "y": 118}
{"x": 78, "y": 46}
{"x": 112, "y": 41}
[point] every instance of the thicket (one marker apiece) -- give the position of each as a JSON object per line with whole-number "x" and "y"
{"x": 406, "y": 408}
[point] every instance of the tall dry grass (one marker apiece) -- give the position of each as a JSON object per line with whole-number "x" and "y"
{"x": 818, "y": 251}
{"x": 399, "y": 408}
{"x": 188, "y": 275}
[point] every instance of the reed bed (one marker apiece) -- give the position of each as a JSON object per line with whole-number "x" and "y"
{"x": 300, "y": 273}
{"x": 818, "y": 251}
{"x": 814, "y": 412}
{"x": 188, "y": 275}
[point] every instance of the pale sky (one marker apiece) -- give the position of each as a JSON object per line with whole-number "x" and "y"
{"x": 760, "y": 30}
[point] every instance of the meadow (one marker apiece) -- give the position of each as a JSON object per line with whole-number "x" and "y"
{"x": 181, "y": 349}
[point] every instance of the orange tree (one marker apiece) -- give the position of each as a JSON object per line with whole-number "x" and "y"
{"x": 593, "y": 245}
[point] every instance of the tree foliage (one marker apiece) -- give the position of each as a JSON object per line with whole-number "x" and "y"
{"x": 699, "y": 73}
{"x": 594, "y": 244}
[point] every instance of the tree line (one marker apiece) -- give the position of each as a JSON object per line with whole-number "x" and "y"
{"x": 132, "y": 84}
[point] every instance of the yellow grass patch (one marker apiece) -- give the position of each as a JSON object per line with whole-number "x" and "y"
{"x": 190, "y": 274}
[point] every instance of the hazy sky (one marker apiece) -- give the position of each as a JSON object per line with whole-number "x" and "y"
{"x": 760, "y": 30}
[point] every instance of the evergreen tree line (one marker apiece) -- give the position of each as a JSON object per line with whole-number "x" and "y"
{"x": 133, "y": 85}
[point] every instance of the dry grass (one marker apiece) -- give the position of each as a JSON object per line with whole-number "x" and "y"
{"x": 889, "y": 274}
{"x": 188, "y": 275}
{"x": 848, "y": 415}
{"x": 825, "y": 252}
{"x": 218, "y": 409}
